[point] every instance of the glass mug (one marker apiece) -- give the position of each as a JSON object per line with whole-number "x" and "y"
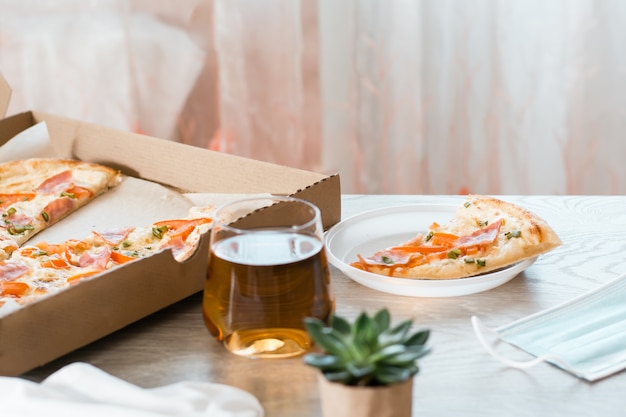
{"x": 265, "y": 275}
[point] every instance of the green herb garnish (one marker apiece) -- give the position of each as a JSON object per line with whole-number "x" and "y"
{"x": 512, "y": 234}
{"x": 157, "y": 231}
{"x": 18, "y": 229}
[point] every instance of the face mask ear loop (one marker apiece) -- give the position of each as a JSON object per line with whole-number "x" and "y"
{"x": 479, "y": 327}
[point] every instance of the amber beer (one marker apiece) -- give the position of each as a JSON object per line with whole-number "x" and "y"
{"x": 260, "y": 286}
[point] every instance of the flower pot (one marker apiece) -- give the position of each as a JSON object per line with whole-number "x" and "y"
{"x": 340, "y": 400}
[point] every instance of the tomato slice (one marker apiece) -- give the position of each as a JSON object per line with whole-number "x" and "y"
{"x": 419, "y": 249}
{"x": 182, "y": 228}
{"x": 120, "y": 258}
{"x": 77, "y": 277}
{"x": 55, "y": 264}
{"x": 13, "y": 288}
{"x": 444, "y": 239}
{"x": 6, "y": 200}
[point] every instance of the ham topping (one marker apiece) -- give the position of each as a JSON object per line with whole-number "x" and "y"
{"x": 97, "y": 259}
{"x": 58, "y": 208}
{"x": 115, "y": 236}
{"x": 484, "y": 236}
{"x": 56, "y": 184}
{"x": 12, "y": 270}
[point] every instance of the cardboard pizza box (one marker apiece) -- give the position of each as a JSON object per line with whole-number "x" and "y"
{"x": 46, "y": 330}
{"x": 5, "y": 96}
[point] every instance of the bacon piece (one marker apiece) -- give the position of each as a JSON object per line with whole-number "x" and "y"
{"x": 19, "y": 218}
{"x": 388, "y": 257}
{"x": 57, "y": 183}
{"x": 484, "y": 236}
{"x": 176, "y": 245}
{"x": 97, "y": 259}
{"x": 115, "y": 236}
{"x": 12, "y": 270}
{"x": 58, "y": 208}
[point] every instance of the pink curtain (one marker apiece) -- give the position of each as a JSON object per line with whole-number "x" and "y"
{"x": 403, "y": 96}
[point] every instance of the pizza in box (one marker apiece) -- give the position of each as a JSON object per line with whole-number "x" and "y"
{"x": 37, "y": 193}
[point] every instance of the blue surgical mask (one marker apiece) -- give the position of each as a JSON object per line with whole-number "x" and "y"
{"x": 585, "y": 336}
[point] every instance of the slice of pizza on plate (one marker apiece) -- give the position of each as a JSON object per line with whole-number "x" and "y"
{"x": 485, "y": 234}
{"x": 36, "y": 193}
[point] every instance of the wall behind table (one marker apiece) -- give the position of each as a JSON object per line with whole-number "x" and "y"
{"x": 429, "y": 97}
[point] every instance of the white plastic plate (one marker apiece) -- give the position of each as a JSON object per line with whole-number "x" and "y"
{"x": 369, "y": 232}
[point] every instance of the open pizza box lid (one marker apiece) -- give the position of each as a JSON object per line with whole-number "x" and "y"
{"x": 5, "y": 96}
{"x": 97, "y": 307}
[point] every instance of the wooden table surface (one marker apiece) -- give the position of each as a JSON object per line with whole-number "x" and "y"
{"x": 457, "y": 379}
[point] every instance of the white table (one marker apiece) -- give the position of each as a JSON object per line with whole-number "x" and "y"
{"x": 458, "y": 378}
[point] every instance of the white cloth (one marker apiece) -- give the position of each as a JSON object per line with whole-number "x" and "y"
{"x": 80, "y": 390}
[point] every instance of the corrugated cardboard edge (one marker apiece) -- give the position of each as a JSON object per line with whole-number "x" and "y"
{"x": 326, "y": 195}
{"x": 67, "y": 320}
{"x": 5, "y": 96}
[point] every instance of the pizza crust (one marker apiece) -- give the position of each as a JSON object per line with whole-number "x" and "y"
{"x": 24, "y": 176}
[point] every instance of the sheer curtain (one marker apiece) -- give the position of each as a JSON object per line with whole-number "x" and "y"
{"x": 401, "y": 96}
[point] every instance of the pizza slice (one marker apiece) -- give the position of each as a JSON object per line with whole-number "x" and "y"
{"x": 485, "y": 234}
{"x": 35, "y": 271}
{"x": 36, "y": 193}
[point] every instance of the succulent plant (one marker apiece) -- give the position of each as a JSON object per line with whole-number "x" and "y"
{"x": 367, "y": 352}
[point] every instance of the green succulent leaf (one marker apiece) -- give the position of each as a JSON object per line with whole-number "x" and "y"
{"x": 390, "y": 374}
{"x": 341, "y": 325}
{"x": 382, "y": 320}
{"x": 364, "y": 331}
{"x": 326, "y": 337}
{"x": 388, "y": 351}
{"x": 323, "y": 362}
{"x": 360, "y": 370}
{"x": 409, "y": 355}
{"x": 402, "y": 328}
{"x": 340, "y": 376}
{"x": 418, "y": 338}
{"x": 396, "y": 335}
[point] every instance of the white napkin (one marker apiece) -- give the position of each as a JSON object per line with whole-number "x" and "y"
{"x": 80, "y": 390}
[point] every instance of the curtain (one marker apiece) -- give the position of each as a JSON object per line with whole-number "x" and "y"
{"x": 400, "y": 96}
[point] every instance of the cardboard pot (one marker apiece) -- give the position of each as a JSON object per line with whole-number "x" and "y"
{"x": 340, "y": 400}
